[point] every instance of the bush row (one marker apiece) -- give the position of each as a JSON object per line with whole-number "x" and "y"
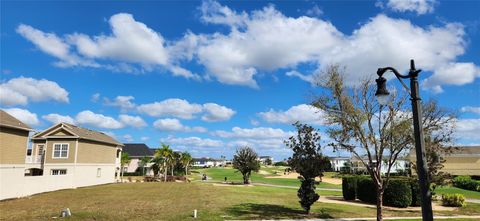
{"x": 400, "y": 192}
{"x": 467, "y": 183}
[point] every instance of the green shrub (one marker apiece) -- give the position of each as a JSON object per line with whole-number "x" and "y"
{"x": 466, "y": 182}
{"x": 455, "y": 200}
{"x": 349, "y": 185}
{"x": 398, "y": 193}
{"x": 366, "y": 190}
{"x": 280, "y": 163}
{"x": 416, "y": 193}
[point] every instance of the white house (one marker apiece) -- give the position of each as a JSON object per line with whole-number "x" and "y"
{"x": 205, "y": 162}
{"x": 266, "y": 160}
{"x": 137, "y": 151}
{"x": 338, "y": 163}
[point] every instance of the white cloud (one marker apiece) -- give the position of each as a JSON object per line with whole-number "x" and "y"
{"x": 303, "y": 113}
{"x": 95, "y": 97}
{"x": 123, "y": 102}
{"x": 215, "y": 112}
{"x": 50, "y": 44}
{"x": 418, "y": 6}
{"x": 253, "y": 133}
{"x": 87, "y": 117}
{"x": 57, "y": 118}
{"x": 315, "y": 11}
{"x": 213, "y": 12}
{"x": 144, "y": 138}
{"x": 132, "y": 121}
{"x": 130, "y": 41}
{"x": 21, "y": 90}
{"x": 468, "y": 129}
{"x": 452, "y": 74}
{"x": 236, "y": 57}
{"x": 171, "y": 107}
{"x": 470, "y": 109}
{"x": 189, "y": 142}
{"x": 171, "y": 124}
{"x": 24, "y": 115}
{"x": 307, "y": 78}
{"x": 127, "y": 138}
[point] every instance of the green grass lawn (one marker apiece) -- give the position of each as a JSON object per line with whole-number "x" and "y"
{"x": 450, "y": 189}
{"x": 176, "y": 201}
{"x": 218, "y": 174}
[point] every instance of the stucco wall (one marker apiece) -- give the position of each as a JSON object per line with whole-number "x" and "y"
{"x": 13, "y": 146}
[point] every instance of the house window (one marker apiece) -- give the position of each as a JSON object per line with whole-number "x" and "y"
{"x": 60, "y": 150}
{"x": 99, "y": 172}
{"x": 56, "y": 172}
{"x": 40, "y": 149}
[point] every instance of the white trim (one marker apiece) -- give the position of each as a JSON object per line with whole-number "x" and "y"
{"x": 61, "y": 146}
{"x": 18, "y": 128}
{"x": 80, "y": 164}
{"x": 67, "y": 137}
{"x": 44, "y": 131}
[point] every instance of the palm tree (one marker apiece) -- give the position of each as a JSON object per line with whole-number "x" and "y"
{"x": 143, "y": 162}
{"x": 185, "y": 160}
{"x": 164, "y": 153}
{"x": 124, "y": 160}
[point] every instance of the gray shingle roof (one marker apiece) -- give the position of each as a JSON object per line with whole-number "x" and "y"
{"x": 137, "y": 150}
{"x": 82, "y": 133}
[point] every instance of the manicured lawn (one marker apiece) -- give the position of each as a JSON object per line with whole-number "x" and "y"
{"x": 219, "y": 174}
{"x": 176, "y": 201}
{"x": 450, "y": 189}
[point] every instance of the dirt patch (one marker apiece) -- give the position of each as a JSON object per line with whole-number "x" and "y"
{"x": 263, "y": 172}
{"x": 340, "y": 200}
{"x": 295, "y": 176}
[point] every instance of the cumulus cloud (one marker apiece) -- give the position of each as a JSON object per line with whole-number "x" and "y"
{"x": 189, "y": 142}
{"x": 171, "y": 107}
{"x": 467, "y": 129}
{"x": 90, "y": 118}
{"x": 132, "y": 121}
{"x": 303, "y": 113}
{"x": 183, "y": 109}
{"x": 470, "y": 109}
{"x": 215, "y": 112}
{"x": 418, "y": 6}
{"x": 127, "y": 138}
{"x": 123, "y": 102}
{"x": 21, "y": 90}
{"x": 253, "y": 133}
{"x": 24, "y": 115}
{"x": 57, "y": 118}
{"x": 308, "y": 78}
{"x": 452, "y": 74}
{"x": 172, "y": 124}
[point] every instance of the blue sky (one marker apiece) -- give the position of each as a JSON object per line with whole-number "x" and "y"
{"x": 208, "y": 76}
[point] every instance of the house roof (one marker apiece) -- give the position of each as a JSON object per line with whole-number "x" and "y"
{"x": 462, "y": 151}
{"x": 7, "y": 120}
{"x": 206, "y": 159}
{"x": 81, "y": 132}
{"x": 137, "y": 150}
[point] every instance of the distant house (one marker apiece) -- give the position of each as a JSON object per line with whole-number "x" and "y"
{"x": 464, "y": 161}
{"x": 340, "y": 163}
{"x": 13, "y": 149}
{"x": 266, "y": 160}
{"x": 401, "y": 165}
{"x": 206, "y": 162}
{"x": 136, "y": 152}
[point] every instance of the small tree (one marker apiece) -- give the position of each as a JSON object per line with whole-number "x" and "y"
{"x": 308, "y": 161}
{"x": 164, "y": 155}
{"x": 186, "y": 159}
{"x": 124, "y": 160}
{"x": 143, "y": 163}
{"x": 245, "y": 160}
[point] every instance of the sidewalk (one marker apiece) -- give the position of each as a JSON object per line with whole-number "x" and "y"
{"x": 375, "y": 218}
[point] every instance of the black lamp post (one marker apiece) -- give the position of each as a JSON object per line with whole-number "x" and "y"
{"x": 422, "y": 170}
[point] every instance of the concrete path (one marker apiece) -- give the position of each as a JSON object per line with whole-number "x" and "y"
{"x": 293, "y": 187}
{"x": 472, "y": 200}
{"x": 385, "y": 218}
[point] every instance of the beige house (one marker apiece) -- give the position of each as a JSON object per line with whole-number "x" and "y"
{"x": 62, "y": 156}
{"x": 13, "y": 148}
{"x": 464, "y": 161}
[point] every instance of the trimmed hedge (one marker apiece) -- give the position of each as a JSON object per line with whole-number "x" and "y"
{"x": 455, "y": 200}
{"x": 398, "y": 193}
{"x": 416, "y": 195}
{"x": 466, "y": 182}
{"x": 366, "y": 190}
{"x": 349, "y": 186}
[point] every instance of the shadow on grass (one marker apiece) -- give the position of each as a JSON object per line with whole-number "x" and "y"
{"x": 254, "y": 210}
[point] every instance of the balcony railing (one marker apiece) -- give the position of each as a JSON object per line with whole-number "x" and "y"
{"x": 33, "y": 159}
